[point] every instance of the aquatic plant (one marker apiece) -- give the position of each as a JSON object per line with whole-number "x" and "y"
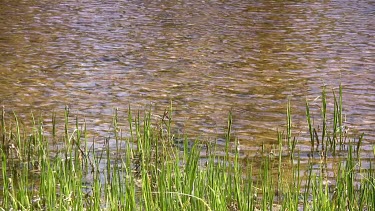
{"x": 150, "y": 168}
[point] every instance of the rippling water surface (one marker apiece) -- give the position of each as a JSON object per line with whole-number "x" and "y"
{"x": 208, "y": 57}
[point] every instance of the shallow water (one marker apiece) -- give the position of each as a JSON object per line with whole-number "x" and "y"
{"x": 207, "y": 57}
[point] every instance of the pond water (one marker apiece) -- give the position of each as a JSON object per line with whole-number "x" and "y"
{"x": 207, "y": 57}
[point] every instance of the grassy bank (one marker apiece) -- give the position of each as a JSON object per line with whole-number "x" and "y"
{"x": 151, "y": 168}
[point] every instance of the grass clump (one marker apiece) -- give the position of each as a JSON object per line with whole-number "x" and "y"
{"x": 153, "y": 169}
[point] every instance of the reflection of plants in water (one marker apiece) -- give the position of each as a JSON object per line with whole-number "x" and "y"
{"x": 153, "y": 169}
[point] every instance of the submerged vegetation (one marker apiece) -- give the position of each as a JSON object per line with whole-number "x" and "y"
{"x": 150, "y": 168}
